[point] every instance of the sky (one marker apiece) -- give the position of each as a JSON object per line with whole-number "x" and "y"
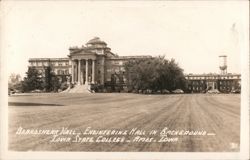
{"x": 194, "y": 33}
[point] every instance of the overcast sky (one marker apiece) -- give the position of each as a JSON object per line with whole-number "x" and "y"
{"x": 193, "y": 33}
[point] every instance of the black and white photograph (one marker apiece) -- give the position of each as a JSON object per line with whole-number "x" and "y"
{"x": 124, "y": 79}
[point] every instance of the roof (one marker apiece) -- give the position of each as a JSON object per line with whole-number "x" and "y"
{"x": 211, "y": 74}
{"x": 85, "y": 50}
{"x": 48, "y": 59}
{"x": 130, "y": 57}
{"x": 96, "y": 40}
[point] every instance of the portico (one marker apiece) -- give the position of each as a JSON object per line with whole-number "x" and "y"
{"x": 83, "y": 71}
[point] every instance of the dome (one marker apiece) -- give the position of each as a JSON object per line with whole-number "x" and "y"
{"x": 95, "y": 40}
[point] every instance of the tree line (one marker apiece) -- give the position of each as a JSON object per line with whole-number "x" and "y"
{"x": 34, "y": 80}
{"x": 155, "y": 73}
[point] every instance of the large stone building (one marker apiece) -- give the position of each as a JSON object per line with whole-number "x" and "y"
{"x": 225, "y": 83}
{"x": 93, "y": 63}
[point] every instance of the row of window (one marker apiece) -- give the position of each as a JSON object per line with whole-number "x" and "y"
{"x": 196, "y": 88}
{"x": 225, "y": 88}
{"x": 47, "y": 63}
{"x": 215, "y": 77}
{"x": 118, "y": 62}
{"x": 225, "y": 82}
{"x": 39, "y": 63}
{"x": 112, "y": 70}
{"x": 60, "y": 72}
{"x": 202, "y": 82}
{"x": 201, "y": 88}
{"x": 60, "y": 63}
{"x": 196, "y": 82}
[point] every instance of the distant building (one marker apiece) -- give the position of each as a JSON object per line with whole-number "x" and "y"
{"x": 197, "y": 83}
{"x": 60, "y": 66}
{"x": 90, "y": 64}
{"x": 223, "y": 82}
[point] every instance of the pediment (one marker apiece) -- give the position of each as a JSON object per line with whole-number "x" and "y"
{"x": 83, "y": 52}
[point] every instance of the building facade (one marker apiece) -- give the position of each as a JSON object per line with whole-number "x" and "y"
{"x": 93, "y": 63}
{"x": 225, "y": 83}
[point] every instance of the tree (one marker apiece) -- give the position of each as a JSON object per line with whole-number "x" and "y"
{"x": 47, "y": 79}
{"x": 14, "y": 81}
{"x": 50, "y": 80}
{"x": 176, "y": 77}
{"x": 32, "y": 80}
{"x": 155, "y": 73}
{"x": 54, "y": 83}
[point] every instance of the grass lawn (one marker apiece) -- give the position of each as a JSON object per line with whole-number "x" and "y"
{"x": 138, "y": 115}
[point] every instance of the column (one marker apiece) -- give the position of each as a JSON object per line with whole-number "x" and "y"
{"x": 93, "y": 71}
{"x": 86, "y": 76}
{"x": 72, "y": 72}
{"x": 79, "y": 71}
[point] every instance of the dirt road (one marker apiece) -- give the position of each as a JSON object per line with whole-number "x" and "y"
{"x": 143, "y": 119}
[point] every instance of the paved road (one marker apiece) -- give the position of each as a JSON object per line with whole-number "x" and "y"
{"x": 216, "y": 116}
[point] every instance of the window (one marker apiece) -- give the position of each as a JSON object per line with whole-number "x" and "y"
{"x": 99, "y": 51}
{"x": 66, "y": 63}
{"x": 59, "y": 63}
{"x": 39, "y": 63}
{"x": 117, "y": 70}
{"x": 40, "y": 71}
{"x": 122, "y": 69}
{"x": 45, "y": 63}
{"x": 66, "y": 72}
{"x": 109, "y": 70}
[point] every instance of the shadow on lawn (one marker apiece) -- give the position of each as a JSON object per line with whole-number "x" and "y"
{"x": 31, "y": 104}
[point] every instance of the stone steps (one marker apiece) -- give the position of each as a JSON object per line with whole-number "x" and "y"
{"x": 79, "y": 89}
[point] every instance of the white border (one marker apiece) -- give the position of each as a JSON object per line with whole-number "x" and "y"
{"x": 244, "y": 145}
